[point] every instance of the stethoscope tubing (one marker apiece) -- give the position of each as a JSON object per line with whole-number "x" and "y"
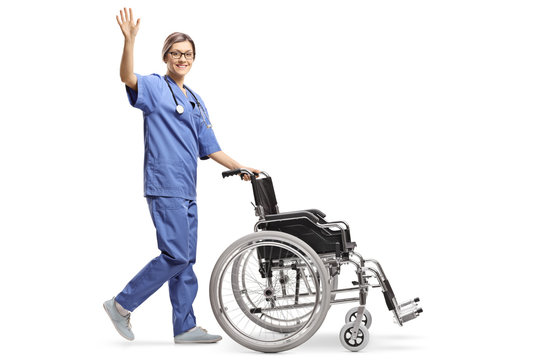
{"x": 202, "y": 110}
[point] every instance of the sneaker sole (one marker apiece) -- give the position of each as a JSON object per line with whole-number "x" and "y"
{"x": 196, "y": 341}
{"x": 110, "y": 317}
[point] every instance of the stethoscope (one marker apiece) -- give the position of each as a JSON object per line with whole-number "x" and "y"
{"x": 180, "y": 108}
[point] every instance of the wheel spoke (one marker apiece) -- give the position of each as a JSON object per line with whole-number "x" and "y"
{"x": 258, "y": 294}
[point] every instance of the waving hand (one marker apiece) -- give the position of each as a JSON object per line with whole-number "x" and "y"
{"x": 127, "y": 25}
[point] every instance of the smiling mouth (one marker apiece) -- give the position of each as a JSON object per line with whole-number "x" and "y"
{"x": 181, "y": 66}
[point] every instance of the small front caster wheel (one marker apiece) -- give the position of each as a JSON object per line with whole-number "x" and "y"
{"x": 366, "y": 317}
{"x": 346, "y": 337}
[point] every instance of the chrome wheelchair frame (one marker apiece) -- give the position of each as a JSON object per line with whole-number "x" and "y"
{"x": 259, "y": 283}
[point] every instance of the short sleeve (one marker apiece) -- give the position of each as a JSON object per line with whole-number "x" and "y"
{"x": 208, "y": 143}
{"x": 149, "y": 90}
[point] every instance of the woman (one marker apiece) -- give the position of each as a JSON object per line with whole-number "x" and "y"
{"x": 176, "y": 131}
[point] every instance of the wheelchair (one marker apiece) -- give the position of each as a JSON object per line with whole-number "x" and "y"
{"x": 270, "y": 290}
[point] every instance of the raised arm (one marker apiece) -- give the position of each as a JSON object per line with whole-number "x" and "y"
{"x": 129, "y": 29}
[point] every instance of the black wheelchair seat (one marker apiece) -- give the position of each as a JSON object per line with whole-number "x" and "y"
{"x": 308, "y": 225}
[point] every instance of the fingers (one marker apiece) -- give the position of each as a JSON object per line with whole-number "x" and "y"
{"x": 246, "y": 177}
{"x": 118, "y": 20}
{"x": 126, "y": 17}
{"x": 122, "y": 16}
{"x": 255, "y": 171}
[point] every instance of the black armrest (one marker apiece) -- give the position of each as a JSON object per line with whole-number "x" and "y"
{"x": 317, "y": 212}
{"x": 292, "y": 214}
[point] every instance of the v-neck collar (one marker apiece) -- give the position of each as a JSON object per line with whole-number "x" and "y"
{"x": 185, "y": 95}
{"x": 167, "y": 78}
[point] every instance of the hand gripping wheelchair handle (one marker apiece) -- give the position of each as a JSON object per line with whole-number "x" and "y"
{"x": 240, "y": 172}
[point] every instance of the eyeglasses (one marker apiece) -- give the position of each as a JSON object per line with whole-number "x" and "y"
{"x": 178, "y": 55}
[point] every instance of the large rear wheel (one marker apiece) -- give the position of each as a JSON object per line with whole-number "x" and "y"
{"x": 270, "y": 291}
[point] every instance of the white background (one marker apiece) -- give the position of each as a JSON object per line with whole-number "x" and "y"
{"x": 414, "y": 121}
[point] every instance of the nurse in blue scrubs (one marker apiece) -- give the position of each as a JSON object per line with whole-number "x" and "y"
{"x": 177, "y": 131}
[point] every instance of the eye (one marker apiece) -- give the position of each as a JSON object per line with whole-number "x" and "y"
{"x": 189, "y": 55}
{"x": 174, "y": 53}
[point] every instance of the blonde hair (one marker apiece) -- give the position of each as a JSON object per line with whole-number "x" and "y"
{"x": 174, "y": 38}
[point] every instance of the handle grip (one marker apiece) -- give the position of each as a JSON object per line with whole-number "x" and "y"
{"x": 231, "y": 173}
{"x": 241, "y": 172}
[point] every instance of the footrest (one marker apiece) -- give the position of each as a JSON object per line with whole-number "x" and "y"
{"x": 409, "y": 310}
{"x": 409, "y": 303}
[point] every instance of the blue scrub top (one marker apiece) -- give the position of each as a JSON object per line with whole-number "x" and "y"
{"x": 172, "y": 141}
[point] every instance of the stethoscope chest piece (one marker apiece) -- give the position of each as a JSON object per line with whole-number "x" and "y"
{"x": 180, "y": 108}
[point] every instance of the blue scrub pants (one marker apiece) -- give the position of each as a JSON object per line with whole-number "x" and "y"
{"x": 175, "y": 220}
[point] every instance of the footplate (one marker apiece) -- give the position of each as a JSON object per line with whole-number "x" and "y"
{"x": 403, "y": 312}
{"x": 407, "y": 311}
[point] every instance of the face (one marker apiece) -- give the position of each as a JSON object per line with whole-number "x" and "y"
{"x": 179, "y": 67}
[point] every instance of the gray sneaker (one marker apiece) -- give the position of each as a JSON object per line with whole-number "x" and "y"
{"x": 121, "y": 323}
{"x": 196, "y": 335}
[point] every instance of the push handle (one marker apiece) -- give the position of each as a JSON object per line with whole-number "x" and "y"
{"x": 231, "y": 173}
{"x": 241, "y": 172}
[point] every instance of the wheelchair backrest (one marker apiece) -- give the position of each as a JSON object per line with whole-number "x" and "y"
{"x": 265, "y": 197}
